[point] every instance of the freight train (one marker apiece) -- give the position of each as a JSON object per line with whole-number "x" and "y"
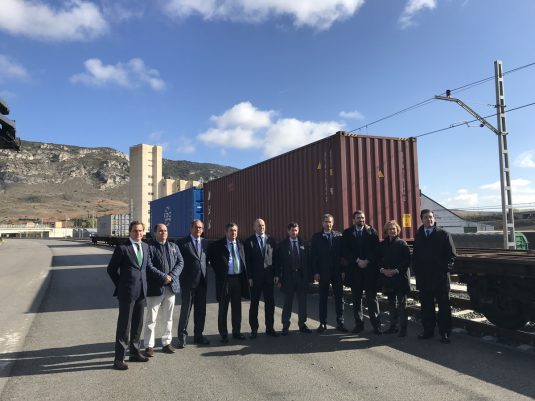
{"x": 338, "y": 175}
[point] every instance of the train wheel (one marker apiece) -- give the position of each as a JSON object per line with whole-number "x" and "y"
{"x": 505, "y": 312}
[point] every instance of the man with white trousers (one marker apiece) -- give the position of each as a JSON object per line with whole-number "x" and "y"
{"x": 162, "y": 286}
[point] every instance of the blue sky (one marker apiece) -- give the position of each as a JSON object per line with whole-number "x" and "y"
{"x": 238, "y": 81}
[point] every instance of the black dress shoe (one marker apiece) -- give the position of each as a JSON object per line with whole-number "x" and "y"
{"x": 357, "y": 329}
{"x": 285, "y": 331}
{"x": 391, "y": 330}
{"x": 445, "y": 339}
{"x": 168, "y": 349}
{"x": 253, "y": 335}
{"x": 272, "y": 333}
{"x": 120, "y": 365}
{"x": 138, "y": 358}
{"x": 149, "y": 352}
{"x": 238, "y": 336}
{"x": 202, "y": 340}
{"x": 425, "y": 336}
{"x": 305, "y": 329}
{"x": 224, "y": 338}
{"x": 322, "y": 327}
{"x": 340, "y": 327}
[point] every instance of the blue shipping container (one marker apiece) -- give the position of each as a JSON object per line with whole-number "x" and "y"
{"x": 177, "y": 211}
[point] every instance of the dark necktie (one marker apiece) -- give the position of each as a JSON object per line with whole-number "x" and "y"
{"x": 427, "y": 232}
{"x": 261, "y": 243}
{"x": 295, "y": 255}
{"x": 197, "y": 248}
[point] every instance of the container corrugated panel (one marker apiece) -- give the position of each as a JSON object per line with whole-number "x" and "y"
{"x": 113, "y": 225}
{"x": 177, "y": 211}
{"x": 336, "y": 175}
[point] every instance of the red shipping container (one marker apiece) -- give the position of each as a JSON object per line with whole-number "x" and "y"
{"x": 337, "y": 175}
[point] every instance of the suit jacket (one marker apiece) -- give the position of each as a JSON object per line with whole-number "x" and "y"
{"x": 129, "y": 278}
{"x": 218, "y": 257}
{"x": 194, "y": 272}
{"x": 325, "y": 254}
{"x": 365, "y": 248}
{"x": 395, "y": 254}
{"x": 156, "y": 277}
{"x": 432, "y": 259}
{"x": 258, "y": 263}
{"x": 283, "y": 262}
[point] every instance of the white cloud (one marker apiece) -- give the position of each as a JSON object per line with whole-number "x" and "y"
{"x": 526, "y": 159}
{"x": 488, "y": 196}
{"x": 155, "y": 136}
{"x": 10, "y": 70}
{"x": 185, "y": 145}
{"x": 132, "y": 74}
{"x": 467, "y": 198}
{"x": 355, "y": 114}
{"x": 244, "y": 115}
{"x": 75, "y": 20}
{"x": 121, "y": 10}
{"x": 522, "y": 190}
{"x": 318, "y": 14}
{"x": 412, "y": 8}
{"x": 243, "y": 126}
{"x": 289, "y": 133}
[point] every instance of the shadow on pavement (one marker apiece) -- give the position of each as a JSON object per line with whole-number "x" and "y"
{"x": 60, "y": 360}
{"x": 81, "y": 260}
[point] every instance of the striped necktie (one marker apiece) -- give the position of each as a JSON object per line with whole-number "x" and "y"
{"x": 235, "y": 266}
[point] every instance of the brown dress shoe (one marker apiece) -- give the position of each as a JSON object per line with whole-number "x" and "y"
{"x": 149, "y": 352}
{"x": 168, "y": 349}
{"x": 120, "y": 365}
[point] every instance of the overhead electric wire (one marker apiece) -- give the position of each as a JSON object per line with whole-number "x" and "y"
{"x": 424, "y": 102}
{"x": 455, "y": 125}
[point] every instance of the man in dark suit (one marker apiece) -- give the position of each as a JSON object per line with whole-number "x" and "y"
{"x": 291, "y": 275}
{"x": 433, "y": 255}
{"x": 161, "y": 289}
{"x": 128, "y": 271}
{"x": 360, "y": 253}
{"x": 193, "y": 282}
{"x": 259, "y": 249}
{"x": 325, "y": 260}
{"x": 227, "y": 258}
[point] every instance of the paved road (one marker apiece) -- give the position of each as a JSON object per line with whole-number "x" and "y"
{"x": 68, "y": 350}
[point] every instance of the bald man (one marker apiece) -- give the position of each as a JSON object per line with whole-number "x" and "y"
{"x": 259, "y": 259}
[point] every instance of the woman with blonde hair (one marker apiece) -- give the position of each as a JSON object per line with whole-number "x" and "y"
{"x": 395, "y": 258}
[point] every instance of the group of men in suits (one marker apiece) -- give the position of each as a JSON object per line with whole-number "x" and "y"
{"x": 153, "y": 274}
{"x": 251, "y": 269}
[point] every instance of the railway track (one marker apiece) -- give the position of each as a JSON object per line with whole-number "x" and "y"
{"x": 466, "y": 320}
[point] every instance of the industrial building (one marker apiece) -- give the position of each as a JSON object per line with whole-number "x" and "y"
{"x": 449, "y": 221}
{"x": 145, "y": 177}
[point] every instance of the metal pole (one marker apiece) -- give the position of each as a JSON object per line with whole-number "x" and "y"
{"x": 508, "y": 216}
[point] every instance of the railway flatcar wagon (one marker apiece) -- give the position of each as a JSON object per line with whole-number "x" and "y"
{"x": 501, "y": 284}
{"x": 336, "y": 175}
{"x": 177, "y": 211}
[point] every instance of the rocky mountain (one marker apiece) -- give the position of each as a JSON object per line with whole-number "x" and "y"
{"x": 51, "y": 181}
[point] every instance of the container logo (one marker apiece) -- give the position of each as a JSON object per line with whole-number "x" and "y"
{"x": 167, "y": 215}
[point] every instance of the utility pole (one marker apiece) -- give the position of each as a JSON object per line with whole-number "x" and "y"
{"x": 505, "y": 178}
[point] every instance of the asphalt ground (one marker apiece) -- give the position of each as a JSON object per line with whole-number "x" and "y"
{"x": 62, "y": 327}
